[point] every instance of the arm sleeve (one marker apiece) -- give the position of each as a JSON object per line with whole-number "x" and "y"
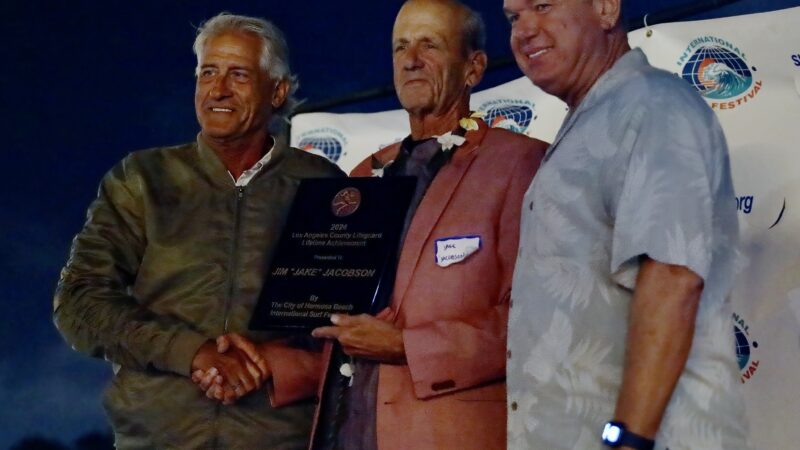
{"x": 451, "y": 355}
{"x": 664, "y": 206}
{"x": 296, "y": 372}
{"x": 93, "y": 307}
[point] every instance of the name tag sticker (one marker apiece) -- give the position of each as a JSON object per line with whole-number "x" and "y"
{"x": 451, "y": 250}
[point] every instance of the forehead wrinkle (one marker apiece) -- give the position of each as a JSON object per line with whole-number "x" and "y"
{"x": 436, "y": 14}
{"x": 422, "y": 31}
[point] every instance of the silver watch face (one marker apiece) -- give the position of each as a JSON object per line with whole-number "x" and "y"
{"x": 611, "y": 433}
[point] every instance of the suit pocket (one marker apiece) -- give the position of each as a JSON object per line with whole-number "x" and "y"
{"x": 494, "y": 392}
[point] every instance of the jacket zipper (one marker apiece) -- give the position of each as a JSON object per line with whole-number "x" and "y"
{"x": 233, "y": 264}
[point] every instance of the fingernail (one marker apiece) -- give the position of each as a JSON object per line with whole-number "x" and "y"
{"x": 335, "y": 319}
{"x": 212, "y": 371}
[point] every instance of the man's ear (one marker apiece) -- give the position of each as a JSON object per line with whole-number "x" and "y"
{"x": 280, "y": 93}
{"x": 608, "y": 12}
{"x": 476, "y": 67}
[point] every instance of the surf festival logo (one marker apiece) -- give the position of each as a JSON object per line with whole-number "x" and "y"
{"x": 327, "y": 142}
{"x": 512, "y": 115}
{"x": 746, "y": 349}
{"x": 720, "y": 72}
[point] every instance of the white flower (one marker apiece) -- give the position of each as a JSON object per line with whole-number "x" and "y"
{"x": 378, "y": 172}
{"x": 346, "y": 370}
{"x": 450, "y": 140}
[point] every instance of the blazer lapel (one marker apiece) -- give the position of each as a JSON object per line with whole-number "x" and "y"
{"x": 431, "y": 208}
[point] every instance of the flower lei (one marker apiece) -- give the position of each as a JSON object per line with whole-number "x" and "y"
{"x": 377, "y": 167}
{"x": 448, "y": 141}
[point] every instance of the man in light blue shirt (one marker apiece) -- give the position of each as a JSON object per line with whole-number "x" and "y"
{"x": 620, "y": 323}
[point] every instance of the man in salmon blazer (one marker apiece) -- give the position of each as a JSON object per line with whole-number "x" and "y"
{"x": 429, "y": 370}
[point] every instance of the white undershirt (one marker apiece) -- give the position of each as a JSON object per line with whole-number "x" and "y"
{"x": 248, "y": 174}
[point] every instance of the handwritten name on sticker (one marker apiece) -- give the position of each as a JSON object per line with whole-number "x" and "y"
{"x": 452, "y": 250}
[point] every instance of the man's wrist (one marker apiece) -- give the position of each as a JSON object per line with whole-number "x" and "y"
{"x": 616, "y": 435}
{"x": 179, "y": 356}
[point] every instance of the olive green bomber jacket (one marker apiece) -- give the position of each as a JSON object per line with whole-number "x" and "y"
{"x": 173, "y": 254}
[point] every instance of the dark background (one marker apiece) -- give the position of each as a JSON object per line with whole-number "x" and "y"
{"x": 83, "y": 83}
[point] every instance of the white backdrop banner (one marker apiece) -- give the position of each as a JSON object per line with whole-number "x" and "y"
{"x": 748, "y": 70}
{"x": 347, "y": 139}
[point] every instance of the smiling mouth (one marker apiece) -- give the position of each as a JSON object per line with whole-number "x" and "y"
{"x": 538, "y": 53}
{"x": 222, "y": 110}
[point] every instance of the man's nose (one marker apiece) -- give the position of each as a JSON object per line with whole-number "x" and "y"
{"x": 525, "y": 27}
{"x": 221, "y": 87}
{"x": 410, "y": 59}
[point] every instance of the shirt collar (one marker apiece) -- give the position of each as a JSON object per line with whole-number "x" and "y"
{"x": 632, "y": 61}
{"x": 250, "y": 173}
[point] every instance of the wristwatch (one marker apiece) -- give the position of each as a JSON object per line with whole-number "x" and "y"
{"x": 616, "y": 435}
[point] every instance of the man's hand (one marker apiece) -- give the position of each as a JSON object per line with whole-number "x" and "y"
{"x": 254, "y": 352}
{"x": 364, "y": 336}
{"x": 228, "y": 375}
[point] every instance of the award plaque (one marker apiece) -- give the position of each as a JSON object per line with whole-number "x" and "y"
{"x": 339, "y": 243}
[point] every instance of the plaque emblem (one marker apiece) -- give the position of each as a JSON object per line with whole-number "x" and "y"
{"x": 346, "y": 202}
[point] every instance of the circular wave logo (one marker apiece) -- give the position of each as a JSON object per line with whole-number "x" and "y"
{"x": 512, "y": 115}
{"x": 742, "y": 347}
{"x": 719, "y": 71}
{"x": 745, "y": 349}
{"x": 327, "y": 146}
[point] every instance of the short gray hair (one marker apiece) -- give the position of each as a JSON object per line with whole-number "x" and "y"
{"x": 274, "y": 55}
{"x": 473, "y": 30}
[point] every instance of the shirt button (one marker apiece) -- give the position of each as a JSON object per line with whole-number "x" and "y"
{"x": 508, "y": 354}
{"x": 530, "y": 206}
{"x": 511, "y": 303}
{"x": 513, "y": 406}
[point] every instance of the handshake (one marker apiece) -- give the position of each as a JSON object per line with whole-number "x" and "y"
{"x": 230, "y": 368}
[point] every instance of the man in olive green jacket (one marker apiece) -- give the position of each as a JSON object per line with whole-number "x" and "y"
{"x": 173, "y": 253}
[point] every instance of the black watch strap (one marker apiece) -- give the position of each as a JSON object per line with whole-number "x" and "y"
{"x": 633, "y": 440}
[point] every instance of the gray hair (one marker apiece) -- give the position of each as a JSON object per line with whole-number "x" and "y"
{"x": 274, "y": 55}
{"x": 473, "y": 30}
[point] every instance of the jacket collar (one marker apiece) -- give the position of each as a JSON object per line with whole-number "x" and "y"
{"x": 217, "y": 171}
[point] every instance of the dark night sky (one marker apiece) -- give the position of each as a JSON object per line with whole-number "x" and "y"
{"x": 84, "y": 83}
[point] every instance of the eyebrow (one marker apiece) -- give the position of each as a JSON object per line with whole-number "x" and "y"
{"x": 232, "y": 67}
{"x": 434, "y": 40}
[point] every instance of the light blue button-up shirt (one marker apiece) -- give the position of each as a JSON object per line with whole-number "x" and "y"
{"x": 640, "y": 167}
